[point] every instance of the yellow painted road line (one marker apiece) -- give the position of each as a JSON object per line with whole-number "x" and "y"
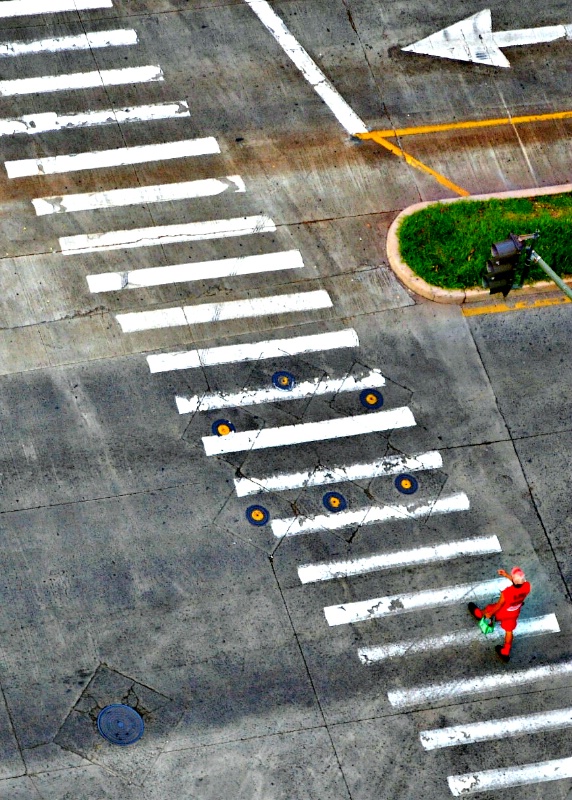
{"x": 467, "y": 125}
{"x": 520, "y": 305}
{"x": 413, "y": 162}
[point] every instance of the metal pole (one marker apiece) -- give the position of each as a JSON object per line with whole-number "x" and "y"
{"x": 536, "y": 259}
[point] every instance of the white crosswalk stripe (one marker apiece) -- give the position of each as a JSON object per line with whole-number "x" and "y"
{"x": 294, "y": 526}
{"x": 116, "y": 198}
{"x": 349, "y": 613}
{"x": 34, "y": 124}
{"x": 390, "y": 465}
{"x": 314, "y": 388}
{"x": 195, "y": 271}
{"x": 536, "y": 626}
{"x": 312, "y": 573}
{"x": 219, "y": 312}
{"x": 21, "y": 8}
{"x": 80, "y": 80}
{"x": 84, "y": 41}
{"x": 253, "y": 351}
{"x": 308, "y": 432}
{"x": 423, "y": 695}
{"x": 118, "y": 157}
{"x": 521, "y": 775}
{"x": 497, "y": 728}
{"x": 166, "y": 234}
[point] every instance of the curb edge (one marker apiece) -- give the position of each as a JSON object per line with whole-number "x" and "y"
{"x": 458, "y": 296}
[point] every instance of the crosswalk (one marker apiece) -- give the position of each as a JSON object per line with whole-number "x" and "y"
{"x": 117, "y": 198}
{"x": 118, "y": 157}
{"x": 48, "y": 121}
{"x": 20, "y": 8}
{"x": 161, "y": 235}
{"x": 60, "y": 44}
{"x": 534, "y": 626}
{"x": 405, "y": 473}
{"x": 94, "y": 79}
{"x": 196, "y": 271}
{"x": 218, "y": 312}
{"x": 253, "y": 351}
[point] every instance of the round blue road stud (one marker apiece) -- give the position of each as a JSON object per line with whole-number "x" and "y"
{"x": 120, "y": 724}
{"x": 334, "y": 502}
{"x": 257, "y": 515}
{"x": 222, "y": 427}
{"x": 284, "y": 380}
{"x": 371, "y": 399}
{"x": 406, "y": 484}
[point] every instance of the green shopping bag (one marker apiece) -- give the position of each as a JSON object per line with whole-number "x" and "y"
{"x": 487, "y": 625}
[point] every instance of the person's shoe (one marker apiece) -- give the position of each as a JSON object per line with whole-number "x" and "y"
{"x": 505, "y": 657}
{"x": 475, "y": 610}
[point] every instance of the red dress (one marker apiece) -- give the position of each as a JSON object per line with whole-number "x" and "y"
{"x": 513, "y": 597}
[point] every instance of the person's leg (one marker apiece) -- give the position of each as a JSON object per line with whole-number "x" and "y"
{"x": 508, "y": 637}
{"x": 508, "y": 626}
{"x": 475, "y": 611}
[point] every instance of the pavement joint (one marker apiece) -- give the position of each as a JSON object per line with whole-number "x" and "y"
{"x": 311, "y": 680}
{"x": 207, "y": 745}
{"x": 516, "y": 454}
{"x": 98, "y": 499}
{"x": 13, "y": 730}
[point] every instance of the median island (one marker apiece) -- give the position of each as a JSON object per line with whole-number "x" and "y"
{"x": 447, "y": 244}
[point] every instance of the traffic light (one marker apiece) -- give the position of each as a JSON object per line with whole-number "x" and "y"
{"x": 500, "y": 271}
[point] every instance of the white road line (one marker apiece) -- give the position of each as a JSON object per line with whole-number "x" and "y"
{"x": 294, "y": 526}
{"x": 80, "y": 80}
{"x": 119, "y": 157}
{"x": 253, "y": 351}
{"x": 349, "y": 613}
{"x": 116, "y": 198}
{"x": 536, "y": 626}
{"x": 491, "y": 779}
{"x": 31, "y": 124}
{"x": 497, "y": 728}
{"x": 270, "y": 394}
{"x": 219, "y": 312}
{"x": 195, "y": 271}
{"x": 21, "y": 8}
{"x": 166, "y": 234}
{"x": 400, "y": 698}
{"x": 391, "y": 465}
{"x": 84, "y": 41}
{"x": 429, "y": 554}
{"x": 287, "y": 435}
{"x": 345, "y": 115}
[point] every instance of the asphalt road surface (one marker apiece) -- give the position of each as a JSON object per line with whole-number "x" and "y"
{"x": 249, "y": 482}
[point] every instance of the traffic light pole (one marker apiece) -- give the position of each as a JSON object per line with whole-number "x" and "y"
{"x": 536, "y": 259}
{"x": 500, "y": 271}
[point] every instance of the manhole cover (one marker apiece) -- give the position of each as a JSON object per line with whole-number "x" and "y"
{"x": 120, "y": 724}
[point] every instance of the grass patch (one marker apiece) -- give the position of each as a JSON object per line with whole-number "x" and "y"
{"x": 448, "y": 244}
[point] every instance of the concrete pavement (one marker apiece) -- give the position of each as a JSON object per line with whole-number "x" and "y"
{"x": 131, "y": 573}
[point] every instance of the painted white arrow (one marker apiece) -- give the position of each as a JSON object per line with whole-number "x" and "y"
{"x": 473, "y": 39}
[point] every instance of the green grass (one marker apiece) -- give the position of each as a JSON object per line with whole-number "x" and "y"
{"x": 448, "y": 244}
